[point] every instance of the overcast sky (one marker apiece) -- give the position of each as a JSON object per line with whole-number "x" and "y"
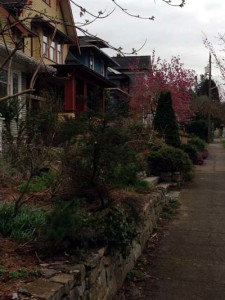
{"x": 175, "y": 31}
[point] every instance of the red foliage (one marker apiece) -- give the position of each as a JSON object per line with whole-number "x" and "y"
{"x": 163, "y": 75}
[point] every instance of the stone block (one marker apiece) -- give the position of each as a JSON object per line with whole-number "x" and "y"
{"x": 43, "y": 290}
{"x": 66, "y": 279}
{"x": 137, "y": 250}
{"x": 78, "y": 272}
{"x": 47, "y": 273}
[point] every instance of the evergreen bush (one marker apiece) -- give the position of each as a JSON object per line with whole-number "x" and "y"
{"x": 170, "y": 159}
{"x": 63, "y": 225}
{"x": 198, "y": 128}
{"x": 198, "y": 143}
{"x": 192, "y": 152}
{"x": 165, "y": 120}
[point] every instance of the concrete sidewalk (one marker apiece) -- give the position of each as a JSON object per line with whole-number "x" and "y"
{"x": 190, "y": 261}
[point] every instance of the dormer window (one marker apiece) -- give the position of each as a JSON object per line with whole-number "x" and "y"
{"x": 92, "y": 61}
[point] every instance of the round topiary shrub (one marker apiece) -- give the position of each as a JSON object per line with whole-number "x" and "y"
{"x": 170, "y": 159}
{"x": 198, "y": 143}
{"x": 191, "y": 151}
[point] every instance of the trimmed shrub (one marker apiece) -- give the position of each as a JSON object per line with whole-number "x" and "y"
{"x": 170, "y": 159}
{"x": 192, "y": 152}
{"x": 198, "y": 143}
{"x": 165, "y": 120}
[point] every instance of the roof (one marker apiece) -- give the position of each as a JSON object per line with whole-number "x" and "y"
{"x": 65, "y": 39}
{"x": 111, "y": 61}
{"x": 69, "y": 20}
{"x": 13, "y": 3}
{"x": 27, "y": 63}
{"x": 126, "y": 62}
{"x": 90, "y": 40}
{"x": 19, "y": 25}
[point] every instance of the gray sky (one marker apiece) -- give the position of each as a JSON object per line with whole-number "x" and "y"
{"x": 175, "y": 31}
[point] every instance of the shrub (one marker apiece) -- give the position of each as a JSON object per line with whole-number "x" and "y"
{"x": 169, "y": 159}
{"x": 63, "y": 224}
{"x": 198, "y": 128}
{"x": 165, "y": 120}
{"x": 198, "y": 143}
{"x": 192, "y": 152}
{"x": 100, "y": 158}
{"x": 22, "y": 227}
{"x": 119, "y": 230}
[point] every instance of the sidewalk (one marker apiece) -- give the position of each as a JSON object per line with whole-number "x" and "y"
{"x": 190, "y": 261}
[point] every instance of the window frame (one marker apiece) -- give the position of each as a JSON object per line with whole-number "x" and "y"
{"x": 52, "y": 50}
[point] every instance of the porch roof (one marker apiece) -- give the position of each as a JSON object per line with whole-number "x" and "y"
{"x": 83, "y": 72}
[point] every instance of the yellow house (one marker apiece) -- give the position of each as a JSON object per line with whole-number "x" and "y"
{"x": 34, "y": 36}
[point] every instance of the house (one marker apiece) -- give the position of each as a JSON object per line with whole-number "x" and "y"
{"x": 124, "y": 75}
{"x": 87, "y": 80}
{"x": 35, "y": 36}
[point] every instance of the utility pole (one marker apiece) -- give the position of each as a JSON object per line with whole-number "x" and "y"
{"x": 210, "y": 99}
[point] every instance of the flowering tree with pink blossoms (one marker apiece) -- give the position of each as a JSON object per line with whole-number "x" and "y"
{"x": 163, "y": 75}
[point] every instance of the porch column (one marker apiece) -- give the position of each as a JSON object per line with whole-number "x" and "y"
{"x": 103, "y": 101}
{"x": 70, "y": 95}
{"x": 1, "y": 128}
{"x": 85, "y": 97}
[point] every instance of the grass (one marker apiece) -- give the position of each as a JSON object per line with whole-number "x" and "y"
{"x": 24, "y": 273}
{"x": 22, "y": 227}
{"x": 223, "y": 143}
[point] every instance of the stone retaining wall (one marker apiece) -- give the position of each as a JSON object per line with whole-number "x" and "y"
{"x": 101, "y": 275}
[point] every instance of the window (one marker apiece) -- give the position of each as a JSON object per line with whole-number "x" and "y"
{"x": 52, "y": 49}
{"x": 3, "y": 82}
{"x": 92, "y": 61}
{"x": 45, "y": 45}
{"x": 59, "y": 54}
{"x": 52, "y": 54}
{"x": 102, "y": 68}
